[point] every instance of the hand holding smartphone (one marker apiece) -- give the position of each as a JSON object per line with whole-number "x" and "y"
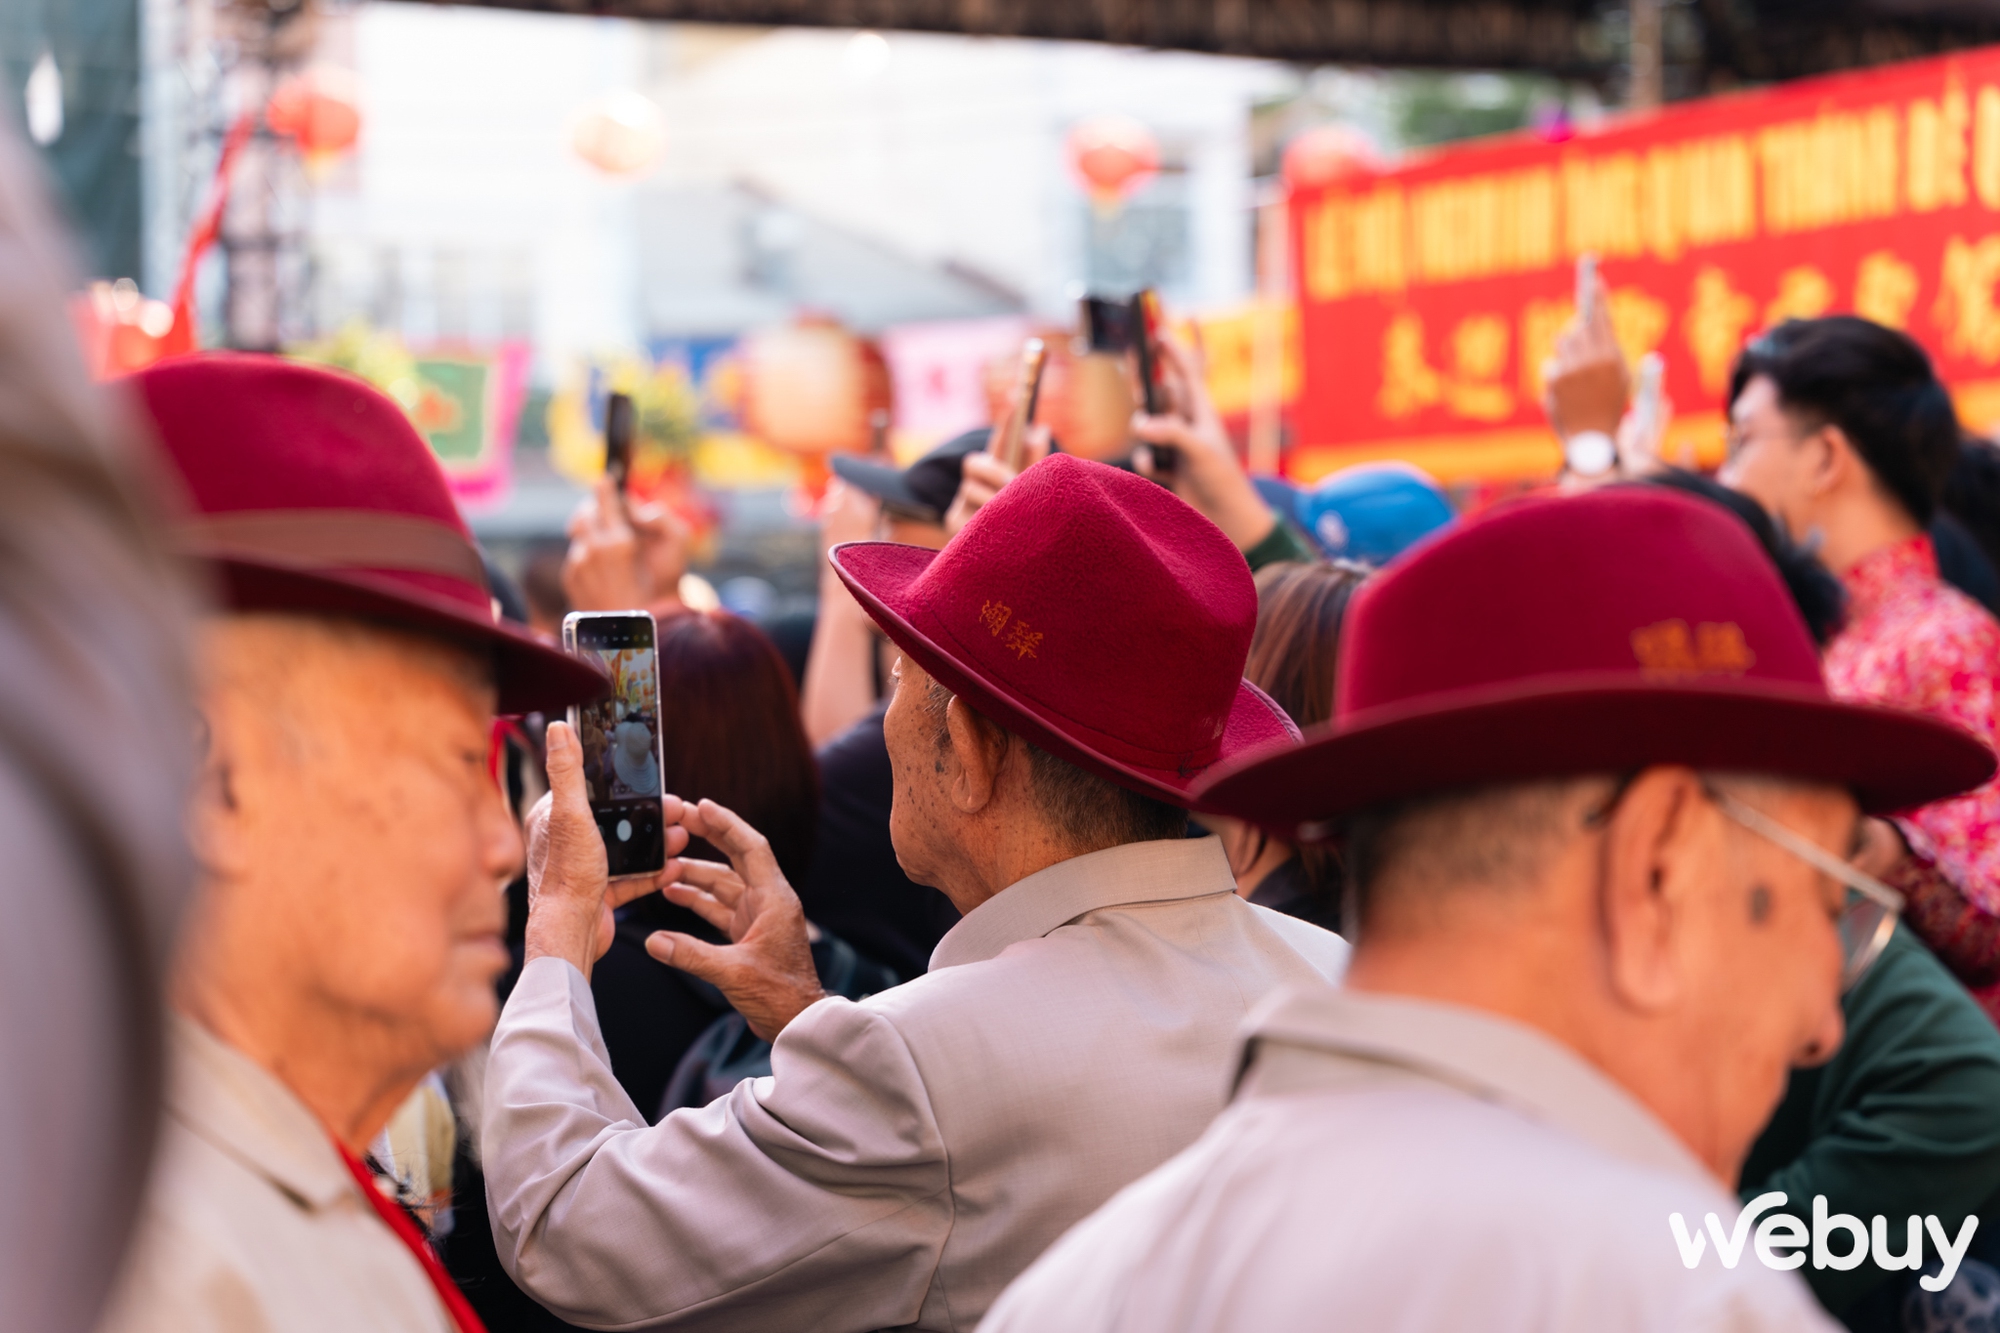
{"x": 1589, "y": 291}
{"x": 1146, "y": 321}
{"x": 1009, "y": 443}
{"x": 619, "y": 424}
{"x": 620, "y": 735}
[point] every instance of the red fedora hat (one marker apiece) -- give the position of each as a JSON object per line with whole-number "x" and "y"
{"x": 1593, "y": 634}
{"x": 1090, "y": 612}
{"x": 312, "y": 492}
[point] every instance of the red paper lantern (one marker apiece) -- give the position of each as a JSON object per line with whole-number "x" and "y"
{"x": 317, "y": 109}
{"x": 1113, "y": 156}
{"x": 622, "y": 133}
{"x": 1326, "y": 154}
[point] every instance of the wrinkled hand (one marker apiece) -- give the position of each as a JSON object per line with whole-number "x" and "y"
{"x": 766, "y": 971}
{"x": 1586, "y": 385}
{"x": 570, "y": 895}
{"x": 1207, "y": 475}
{"x": 985, "y": 473}
{"x": 623, "y": 556}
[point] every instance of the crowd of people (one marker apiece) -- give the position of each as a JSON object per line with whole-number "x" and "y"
{"x": 1160, "y": 899}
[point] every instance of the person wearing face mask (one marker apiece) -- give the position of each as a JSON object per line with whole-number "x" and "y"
{"x": 1841, "y": 429}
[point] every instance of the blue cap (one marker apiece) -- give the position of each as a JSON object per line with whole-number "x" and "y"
{"x": 1371, "y": 511}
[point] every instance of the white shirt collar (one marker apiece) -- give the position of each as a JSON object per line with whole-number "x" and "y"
{"x": 1136, "y": 872}
{"x": 1314, "y": 1035}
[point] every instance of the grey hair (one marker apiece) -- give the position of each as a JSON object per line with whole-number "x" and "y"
{"x": 1088, "y": 812}
{"x": 1498, "y": 838}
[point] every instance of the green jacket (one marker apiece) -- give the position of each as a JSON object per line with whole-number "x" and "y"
{"x": 1904, "y": 1119}
{"x": 1282, "y": 543}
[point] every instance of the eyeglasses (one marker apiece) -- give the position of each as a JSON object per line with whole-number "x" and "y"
{"x": 1869, "y": 917}
{"x": 1866, "y": 920}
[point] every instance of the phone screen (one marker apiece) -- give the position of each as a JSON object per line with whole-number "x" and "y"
{"x": 1107, "y": 324}
{"x": 621, "y": 737}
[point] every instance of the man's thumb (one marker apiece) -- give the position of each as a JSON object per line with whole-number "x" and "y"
{"x": 696, "y": 957}
{"x": 565, "y": 762}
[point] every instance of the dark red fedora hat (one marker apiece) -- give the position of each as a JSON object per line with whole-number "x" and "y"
{"x": 1598, "y": 633}
{"x": 312, "y": 492}
{"x": 1090, "y": 612}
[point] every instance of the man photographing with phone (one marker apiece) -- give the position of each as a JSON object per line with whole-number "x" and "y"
{"x": 911, "y": 1152}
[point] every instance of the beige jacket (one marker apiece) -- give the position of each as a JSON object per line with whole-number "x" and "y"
{"x": 912, "y": 1152}
{"x": 252, "y": 1222}
{"x": 1402, "y": 1166}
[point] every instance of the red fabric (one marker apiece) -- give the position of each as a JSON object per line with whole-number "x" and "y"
{"x": 1914, "y": 642}
{"x": 1090, "y": 611}
{"x": 1592, "y": 633}
{"x": 1965, "y": 938}
{"x": 258, "y": 434}
{"x": 406, "y": 1231}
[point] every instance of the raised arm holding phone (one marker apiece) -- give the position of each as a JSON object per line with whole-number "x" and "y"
{"x": 1206, "y": 472}
{"x": 623, "y": 556}
{"x": 1017, "y": 443}
{"x": 1608, "y": 431}
{"x": 914, "y": 1150}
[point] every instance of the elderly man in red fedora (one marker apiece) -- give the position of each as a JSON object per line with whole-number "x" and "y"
{"x": 352, "y": 846}
{"x": 912, "y": 1152}
{"x": 1598, "y": 814}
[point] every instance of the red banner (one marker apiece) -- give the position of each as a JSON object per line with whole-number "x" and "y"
{"x": 1431, "y": 295}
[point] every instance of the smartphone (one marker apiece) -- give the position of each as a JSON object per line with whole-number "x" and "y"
{"x": 620, "y": 733}
{"x": 1009, "y": 446}
{"x": 1646, "y": 398}
{"x": 1588, "y": 289}
{"x": 1152, "y": 389}
{"x": 618, "y": 426}
{"x": 1107, "y": 324}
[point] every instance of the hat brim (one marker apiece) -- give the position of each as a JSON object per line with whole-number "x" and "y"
{"x": 880, "y": 575}
{"x": 531, "y": 676}
{"x": 885, "y": 483}
{"x": 1596, "y": 723}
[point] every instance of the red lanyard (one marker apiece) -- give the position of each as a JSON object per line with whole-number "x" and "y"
{"x": 406, "y": 1231}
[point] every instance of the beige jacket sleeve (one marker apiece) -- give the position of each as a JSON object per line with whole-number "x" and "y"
{"x": 819, "y": 1196}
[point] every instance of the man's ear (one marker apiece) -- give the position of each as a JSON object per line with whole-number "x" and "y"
{"x": 215, "y": 808}
{"x": 1831, "y": 461}
{"x": 1649, "y": 873}
{"x": 978, "y": 749}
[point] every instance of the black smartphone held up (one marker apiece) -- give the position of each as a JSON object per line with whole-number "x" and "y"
{"x": 1145, "y": 318}
{"x": 618, "y": 426}
{"x": 1107, "y": 324}
{"x": 620, "y": 733}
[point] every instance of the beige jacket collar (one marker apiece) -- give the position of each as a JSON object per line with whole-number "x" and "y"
{"x": 242, "y": 1110}
{"x": 1327, "y": 1037}
{"x": 1137, "y": 872}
